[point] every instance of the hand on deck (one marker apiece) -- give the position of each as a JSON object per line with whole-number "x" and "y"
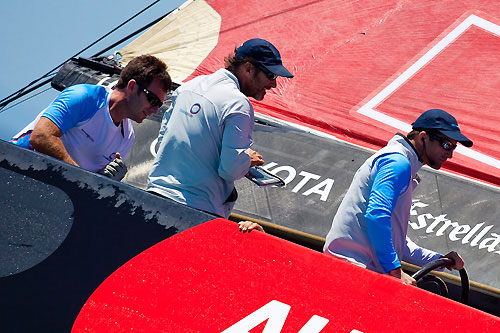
{"x": 398, "y": 273}
{"x": 116, "y": 169}
{"x": 249, "y": 226}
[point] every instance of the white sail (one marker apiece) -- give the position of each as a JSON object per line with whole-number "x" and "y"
{"x": 182, "y": 39}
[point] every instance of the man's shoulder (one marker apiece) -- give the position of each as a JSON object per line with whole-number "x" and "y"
{"x": 227, "y": 91}
{"x": 84, "y": 88}
{"x": 76, "y": 104}
{"x": 220, "y": 88}
{"x": 394, "y": 163}
{"x": 83, "y": 95}
{"x": 395, "y": 157}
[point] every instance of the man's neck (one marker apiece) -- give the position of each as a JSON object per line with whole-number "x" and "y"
{"x": 115, "y": 106}
{"x": 412, "y": 144}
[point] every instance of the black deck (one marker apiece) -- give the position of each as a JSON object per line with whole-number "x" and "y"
{"x": 63, "y": 230}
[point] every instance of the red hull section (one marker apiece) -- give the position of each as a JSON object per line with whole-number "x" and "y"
{"x": 366, "y": 69}
{"x": 211, "y": 278}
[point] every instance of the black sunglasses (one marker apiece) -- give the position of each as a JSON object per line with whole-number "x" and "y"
{"x": 152, "y": 98}
{"x": 444, "y": 143}
{"x": 270, "y": 75}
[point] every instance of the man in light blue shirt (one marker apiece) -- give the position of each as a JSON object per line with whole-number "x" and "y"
{"x": 370, "y": 226}
{"x": 205, "y": 136}
{"x": 90, "y": 126}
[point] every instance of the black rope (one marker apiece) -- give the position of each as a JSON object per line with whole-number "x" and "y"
{"x": 4, "y": 102}
{"x": 3, "y": 105}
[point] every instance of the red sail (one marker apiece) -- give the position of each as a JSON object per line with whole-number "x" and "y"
{"x": 366, "y": 69}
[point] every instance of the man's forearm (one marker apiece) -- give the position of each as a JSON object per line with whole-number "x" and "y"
{"x": 380, "y": 235}
{"x": 46, "y": 139}
{"x": 52, "y": 146}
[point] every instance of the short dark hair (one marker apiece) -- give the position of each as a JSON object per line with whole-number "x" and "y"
{"x": 144, "y": 69}
{"x": 414, "y": 132}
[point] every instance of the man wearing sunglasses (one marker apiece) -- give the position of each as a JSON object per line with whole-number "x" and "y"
{"x": 370, "y": 226}
{"x": 91, "y": 126}
{"x": 205, "y": 137}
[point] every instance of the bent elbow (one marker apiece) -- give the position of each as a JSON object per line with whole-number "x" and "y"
{"x": 36, "y": 140}
{"x": 232, "y": 175}
{"x": 41, "y": 142}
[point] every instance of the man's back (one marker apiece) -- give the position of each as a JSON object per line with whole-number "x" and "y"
{"x": 202, "y": 140}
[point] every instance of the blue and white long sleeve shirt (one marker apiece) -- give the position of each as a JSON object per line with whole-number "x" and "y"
{"x": 371, "y": 223}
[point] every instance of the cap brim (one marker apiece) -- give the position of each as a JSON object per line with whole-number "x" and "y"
{"x": 457, "y": 136}
{"x": 280, "y": 70}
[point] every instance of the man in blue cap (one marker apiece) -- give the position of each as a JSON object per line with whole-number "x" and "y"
{"x": 205, "y": 136}
{"x": 370, "y": 226}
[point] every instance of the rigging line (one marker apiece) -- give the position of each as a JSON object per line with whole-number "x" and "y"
{"x": 18, "y": 93}
{"x": 21, "y": 94}
{"x": 4, "y": 108}
{"x": 132, "y": 34}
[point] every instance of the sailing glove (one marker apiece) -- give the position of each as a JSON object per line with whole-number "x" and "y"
{"x": 116, "y": 169}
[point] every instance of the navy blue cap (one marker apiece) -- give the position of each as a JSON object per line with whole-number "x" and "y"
{"x": 442, "y": 121}
{"x": 265, "y": 54}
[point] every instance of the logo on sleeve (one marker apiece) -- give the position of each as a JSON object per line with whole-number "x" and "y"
{"x": 195, "y": 108}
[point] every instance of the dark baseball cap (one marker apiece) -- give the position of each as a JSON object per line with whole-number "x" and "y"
{"x": 265, "y": 54}
{"x": 442, "y": 121}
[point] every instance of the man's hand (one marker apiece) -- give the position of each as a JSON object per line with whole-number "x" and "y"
{"x": 398, "y": 273}
{"x": 255, "y": 157}
{"x": 249, "y": 226}
{"x": 116, "y": 169}
{"x": 459, "y": 262}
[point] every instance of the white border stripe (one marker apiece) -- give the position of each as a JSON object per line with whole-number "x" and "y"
{"x": 369, "y": 108}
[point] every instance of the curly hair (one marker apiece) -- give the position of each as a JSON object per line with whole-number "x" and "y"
{"x": 232, "y": 63}
{"x": 144, "y": 69}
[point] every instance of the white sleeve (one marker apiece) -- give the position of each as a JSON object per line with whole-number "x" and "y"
{"x": 417, "y": 255}
{"x": 237, "y": 137}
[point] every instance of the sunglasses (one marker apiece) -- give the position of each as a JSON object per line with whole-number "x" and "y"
{"x": 444, "y": 143}
{"x": 152, "y": 98}
{"x": 270, "y": 75}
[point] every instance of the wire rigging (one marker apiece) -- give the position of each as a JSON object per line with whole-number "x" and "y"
{"x": 21, "y": 92}
{"x": 24, "y": 100}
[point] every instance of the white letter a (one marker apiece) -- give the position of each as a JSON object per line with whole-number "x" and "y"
{"x": 275, "y": 311}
